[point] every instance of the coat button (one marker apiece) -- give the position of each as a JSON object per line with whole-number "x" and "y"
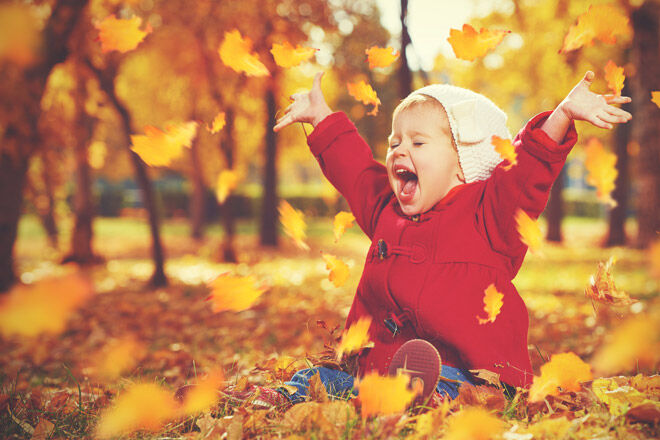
{"x": 415, "y": 218}
{"x": 382, "y": 249}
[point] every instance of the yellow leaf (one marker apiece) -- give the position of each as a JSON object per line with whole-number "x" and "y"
{"x": 160, "y": 148}
{"x": 547, "y": 428}
{"x": 122, "y": 35}
{"x": 601, "y": 287}
{"x": 355, "y": 337}
{"x": 20, "y": 33}
{"x": 384, "y": 395}
{"x": 203, "y": 396}
{"x": 381, "y": 56}
{"x": 236, "y": 293}
{"x": 236, "y": 52}
{"x": 614, "y": 77}
{"x": 633, "y": 344}
{"x": 218, "y": 123}
{"x": 619, "y": 399}
{"x": 600, "y": 22}
{"x": 529, "y": 231}
{"x": 117, "y": 357}
{"x": 343, "y": 221}
{"x": 286, "y": 55}
{"x": 144, "y": 406}
{"x": 505, "y": 148}
{"x": 338, "y": 270}
{"x": 294, "y": 224}
{"x": 365, "y": 94}
{"x": 469, "y": 44}
{"x": 565, "y": 371}
{"x": 601, "y": 169}
{"x": 655, "y": 97}
{"x": 473, "y": 423}
{"x": 42, "y": 307}
{"x": 227, "y": 182}
{"x": 492, "y": 304}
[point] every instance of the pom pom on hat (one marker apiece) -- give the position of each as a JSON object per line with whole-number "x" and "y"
{"x": 473, "y": 120}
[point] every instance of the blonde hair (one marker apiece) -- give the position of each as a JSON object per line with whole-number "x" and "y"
{"x": 414, "y": 100}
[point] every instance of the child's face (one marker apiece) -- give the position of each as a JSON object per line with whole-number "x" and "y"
{"x": 422, "y": 164}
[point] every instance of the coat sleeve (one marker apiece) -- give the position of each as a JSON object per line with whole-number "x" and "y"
{"x": 346, "y": 160}
{"x": 525, "y": 186}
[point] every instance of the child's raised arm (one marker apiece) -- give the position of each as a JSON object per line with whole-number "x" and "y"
{"x": 307, "y": 107}
{"x": 581, "y": 104}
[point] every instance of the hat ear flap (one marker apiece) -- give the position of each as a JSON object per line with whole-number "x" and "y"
{"x": 468, "y": 130}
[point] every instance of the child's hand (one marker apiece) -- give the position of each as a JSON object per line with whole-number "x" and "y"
{"x": 584, "y": 105}
{"x": 306, "y": 107}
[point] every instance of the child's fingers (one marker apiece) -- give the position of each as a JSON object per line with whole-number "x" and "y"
{"x": 283, "y": 122}
{"x": 613, "y": 99}
{"x": 622, "y": 115}
{"x": 588, "y": 78}
{"x": 317, "y": 81}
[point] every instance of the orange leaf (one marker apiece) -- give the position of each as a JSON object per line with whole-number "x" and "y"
{"x": 381, "y": 56}
{"x": 42, "y": 307}
{"x": 565, "y": 371}
{"x": 600, "y": 22}
{"x": 236, "y": 52}
{"x": 469, "y": 44}
{"x": 144, "y": 406}
{"x": 160, "y": 148}
{"x": 492, "y": 304}
{"x": 473, "y": 423}
{"x": 505, "y": 148}
{"x": 615, "y": 77}
{"x": 118, "y": 356}
{"x": 343, "y": 221}
{"x": 655, "y": 97}
{"x": 202, "y": 396}
{"x": 122, "y": 35}
{"x": 338, "y": 270}
{"x": 601, "y": 287}
{"x": 384, "y": 395}
{"x": 227, "y": 182}
{"x": 365, "y": 94}
{"x": 294, "y": 224}
{"x": 601, "y": 168}
{"x": 218, "y": 123}
{"x": 355, "y": 337}
{"x": 654, "y": 258}
{"x": 529, "y": 231}
{"x": 20, "y": 33}
{"x": 235, "y": 293}
{"x": 286, "y": 55}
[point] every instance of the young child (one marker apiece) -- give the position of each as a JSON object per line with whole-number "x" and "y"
{"x": 441, "y": 217}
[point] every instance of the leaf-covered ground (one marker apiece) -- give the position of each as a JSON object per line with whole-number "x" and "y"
{"x": 48, "y": 387}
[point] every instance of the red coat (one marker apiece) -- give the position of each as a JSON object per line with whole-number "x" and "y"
{"x": 432, "y": 269}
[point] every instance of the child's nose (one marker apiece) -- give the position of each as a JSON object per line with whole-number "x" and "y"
{"x": 402, "y": 149}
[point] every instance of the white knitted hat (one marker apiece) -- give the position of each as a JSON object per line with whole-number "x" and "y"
{"x": 473, "y": 120}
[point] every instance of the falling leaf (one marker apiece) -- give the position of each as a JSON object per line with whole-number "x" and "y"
{"x": 122, "y": 35}
{"x": 229, "y": 292}
{"x": 160, "y": 148}
{"x": 294, "y": 224}
{"x": 338, "y": 270}
{"x": 117, "y": 357}
{"x": 633, "y": 344}
{"x": 203, "y": 396}
{"x": 492, "y": 304}
{"x": 654, "y": 259}
{"x": 473, "y": 423}
{"x": 42, "y": 307}
{"x": 614, "y": 77}
{"x": 218, "y": 123}
{"x": 601, "y": 287}
{"x": 655, "y": 97}
{"x": 236, "y": 52}
{"x": 601, "y": 169}
{"x": 384, "y": 395}
{"x": 505, "y": 148}
{"x": 355, "y": 337}
{"x": 343, "y": 221}
{"x": 286, "y": 55}
{"x": 565, "y": 371}
{"x": 600, "y": 22}
{"x": 20, "y": 33}
{"x": 365, "y": 94}
{"x": 529, "y": 231}
{"x": 145, "y": 406}
{"x": 381, "y": 56}
{"x": 227, "y": 182}
{"x": 469, "y": 44}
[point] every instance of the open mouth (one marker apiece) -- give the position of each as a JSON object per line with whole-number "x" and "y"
{"x": 408, "y": 182}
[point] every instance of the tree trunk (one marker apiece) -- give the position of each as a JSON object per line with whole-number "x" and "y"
{"x": 554, "y": 211}
{"x": 198, "y": 199}
{"x": 228, "y": 221}
{"x": 268, "y": 232}
{"x": 404, "y": 76}
{"x": 48, "y": 216}
{"x": 645, "y": 54}
{"x": 616, "y": 235}
{"x": 19, "y": 134}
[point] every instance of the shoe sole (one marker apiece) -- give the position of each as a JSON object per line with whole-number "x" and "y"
{"x": 419, "y": 359}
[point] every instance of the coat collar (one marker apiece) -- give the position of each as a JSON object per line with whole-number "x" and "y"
{"x": 449, "y": 199}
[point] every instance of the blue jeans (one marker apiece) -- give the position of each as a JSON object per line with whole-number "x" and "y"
{"x": 340, "y": 385}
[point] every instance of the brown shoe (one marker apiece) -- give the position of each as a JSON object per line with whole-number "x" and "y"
{"x": 421, "y": 361}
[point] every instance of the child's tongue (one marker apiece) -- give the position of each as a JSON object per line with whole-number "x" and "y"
{"x": 409, "y": 187}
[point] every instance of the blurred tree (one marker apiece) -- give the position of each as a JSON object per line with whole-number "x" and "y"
{"x": 405, "y": 77}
